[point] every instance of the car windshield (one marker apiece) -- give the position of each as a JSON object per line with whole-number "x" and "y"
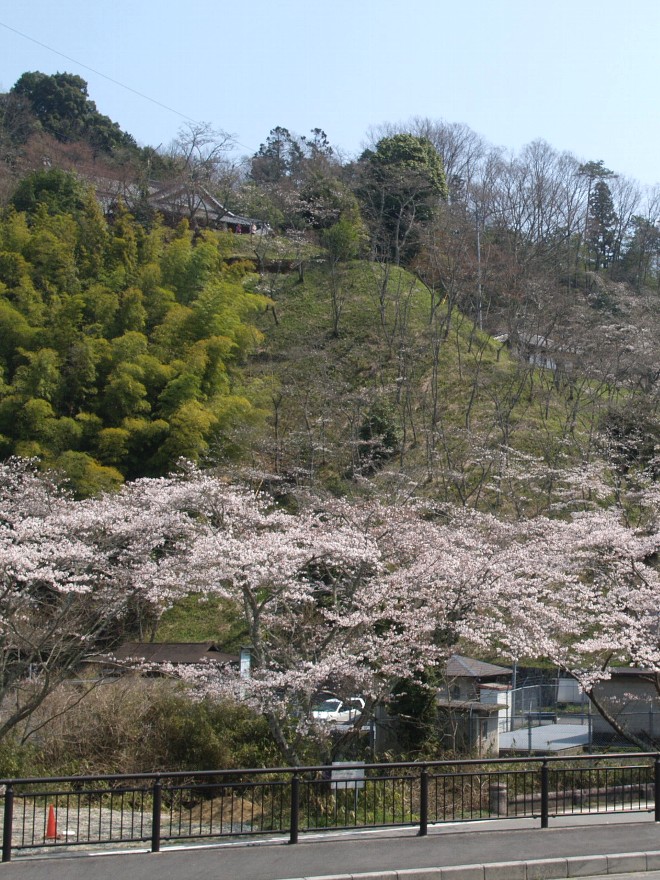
{"x": 328, "y": 706}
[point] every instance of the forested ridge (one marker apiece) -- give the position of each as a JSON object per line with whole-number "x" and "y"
{"x": 381, "y": 408}
{"x": 437, "y": 293}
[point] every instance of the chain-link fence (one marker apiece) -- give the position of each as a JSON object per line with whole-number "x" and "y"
{"x": 559, "y": 703}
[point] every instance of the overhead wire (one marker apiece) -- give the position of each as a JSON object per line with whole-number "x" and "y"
{"x": 97, "y": 72}
{"x": 105, "y": 76}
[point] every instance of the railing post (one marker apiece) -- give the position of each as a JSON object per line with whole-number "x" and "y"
{"x": 8, "y": 823}
{"x": 545, "y": 785}
{"x": 295, "y": 808}
{"x": 424, "y": 801}
{"x": 656, "y": 787}
{"x": 155, "y": 814}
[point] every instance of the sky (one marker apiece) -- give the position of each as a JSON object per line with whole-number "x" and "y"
{"x": 582, "y": 75}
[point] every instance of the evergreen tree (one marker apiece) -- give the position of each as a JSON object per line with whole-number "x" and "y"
{"x": 601, "y": 224}
{"x": 402, "y": 183}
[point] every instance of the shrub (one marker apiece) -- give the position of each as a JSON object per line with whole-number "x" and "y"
{"x": 133, "y": 725}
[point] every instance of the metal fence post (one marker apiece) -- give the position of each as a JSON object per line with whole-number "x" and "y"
{"x": 8, "y": 823}
{"x": 545, "y": 786}
{"x": 424, "y": 801}
{"x": 155, "y": 815}
{"x": 295, "y": 808}
{"x": 656, "y": 788}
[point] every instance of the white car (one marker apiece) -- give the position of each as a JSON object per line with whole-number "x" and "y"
{"x": 336, "y": 711}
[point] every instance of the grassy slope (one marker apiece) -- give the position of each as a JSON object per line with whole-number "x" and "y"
{"x": 201, "y": 619}
{"x": 317, "y": 388}
{"x": 323, "y": 385}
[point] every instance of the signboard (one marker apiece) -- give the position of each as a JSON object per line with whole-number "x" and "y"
{"x": 245, "y": 663}
{"x": 345, "y": 775}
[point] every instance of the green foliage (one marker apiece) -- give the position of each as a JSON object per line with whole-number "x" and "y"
{"x": 210, "y": 735}
{"x": 59, "y": 102}
{"x": 601, "y": 221}
{"x": 60, "y": 192}
{"x": 61, "y": 106}
{"x": 120, "y": 350}
{"x": 407, "y": 154}
{"x": 344, "y": 240}
{"x": 17, "y": 759}
{"x": 191, "y": 425}
{"x": 403, "y": 181}
{"x": 201, "y": 618}
{"x": 280, "y": 157}
{"x": 136, "y": 725}
{"x": 378, "y": 437}
{"x": 85, "y": 474}
{"x": 40, "y": 377}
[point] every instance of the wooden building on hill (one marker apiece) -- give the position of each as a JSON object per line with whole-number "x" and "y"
{"x": 175, "y": 201}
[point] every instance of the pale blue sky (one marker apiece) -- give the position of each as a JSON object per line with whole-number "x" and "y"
{"x": 581, "y": 74}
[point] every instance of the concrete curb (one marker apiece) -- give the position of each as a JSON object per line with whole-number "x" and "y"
{"x": 536, "y": 869}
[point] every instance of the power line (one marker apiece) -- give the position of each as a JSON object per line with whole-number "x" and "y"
{"x": 98, "y": 73}
{"x": 109, "y": 78}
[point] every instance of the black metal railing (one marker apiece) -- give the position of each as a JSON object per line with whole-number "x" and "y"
{"x": 149, "y": 809}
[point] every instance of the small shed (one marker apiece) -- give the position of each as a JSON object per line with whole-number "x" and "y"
{"x": 474, "y": 704}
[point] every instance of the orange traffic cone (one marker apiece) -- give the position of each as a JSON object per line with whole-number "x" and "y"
{"x": 51, "y": 825}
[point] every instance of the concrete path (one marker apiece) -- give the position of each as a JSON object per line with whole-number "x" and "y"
{"x": 601, "y": 846}
{"x": 546, "y": 738}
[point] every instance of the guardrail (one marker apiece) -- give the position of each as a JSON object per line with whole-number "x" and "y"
{"x": 151, "y": 809}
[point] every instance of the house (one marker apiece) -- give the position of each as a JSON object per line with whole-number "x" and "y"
{"x": 474, "y": 704}
{"x": 196, "y": 204}
{"x": 175, "y": 201}
{"x": 539, "y": 351}
{"x": 149, "y": 656}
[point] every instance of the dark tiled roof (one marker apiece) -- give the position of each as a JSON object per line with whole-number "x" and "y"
{"x": 631, "y": 671}
{"x": 172, "y": 652}
{"x": 467, "y": 667}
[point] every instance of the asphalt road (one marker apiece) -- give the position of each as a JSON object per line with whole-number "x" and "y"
{"x": 368, "y": 852}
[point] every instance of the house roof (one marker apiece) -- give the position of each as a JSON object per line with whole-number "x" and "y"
{"x": 173, "y": 198}
{"x": 169, "y": 652}
{"x": 473, "y": 706}
{"x": 630, "y": 672}
{"x": 467, "y": 667}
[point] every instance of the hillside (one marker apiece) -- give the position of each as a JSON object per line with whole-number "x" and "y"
{"x": 432, "y": 314}
{"x": 354, "y": 414}
{"x": 410, "y": 388}
{"x": 125, "y": 348}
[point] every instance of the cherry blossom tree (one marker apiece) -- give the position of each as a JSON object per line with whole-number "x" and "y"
{"x": 358, "y": 596}
{"x": 351, "y": 597}
{"x": 72, "y": 576}
{"x": 581, "y": 592}
{"x": 345, "y": 596}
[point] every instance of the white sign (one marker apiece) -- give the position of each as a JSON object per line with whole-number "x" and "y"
{"x": 245, "y": 663}
{"x": 346, "y": 775}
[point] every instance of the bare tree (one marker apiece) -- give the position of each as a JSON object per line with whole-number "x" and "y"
{"x": 201, "y": 167}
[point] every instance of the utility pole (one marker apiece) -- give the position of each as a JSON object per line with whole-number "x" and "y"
{"x": 480, "y": 322}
